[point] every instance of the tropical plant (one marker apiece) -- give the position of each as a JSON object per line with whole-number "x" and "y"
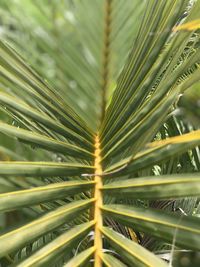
{"x": 111, "y": 163}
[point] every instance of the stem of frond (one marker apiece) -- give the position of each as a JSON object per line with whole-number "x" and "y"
{"x": 98, "y": 203}
{"x": 106, "y": 55}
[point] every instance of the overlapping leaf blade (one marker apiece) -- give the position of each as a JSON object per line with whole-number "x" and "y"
{"x": 29, "y": 197}
{"x": 80, "y": 259}
{"x": 58, "y": 247}
{"x": 23, "y": 235}
{"x": 137, "y": 52}
{"x": 157, "y": 152}
{"x": 80, "y": 51}
{"x": 16, "y": 104}
{"x": 45, "y": 142}
{"x": 56, "y": 34}
{"x": 138, "y": 102}
{"x": 158, "y": 224}
{"x": 109, "y": 261}
{"x": 131, "y": 252}
{"x": 43, "y": 169}
{"x": 171, "y": 186}
{"x": 15, "y": 70}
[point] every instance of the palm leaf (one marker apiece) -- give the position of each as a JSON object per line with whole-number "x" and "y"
{"x": 132, "y": 252}
{"x": 81, "y": 258}
{"x": 42, "y": 169}
{"x": 158, "y": 224}
{"x": 45, "y": 224}
{"x": 162, "y": 186}
{"x": 29, "y": 197}
{"x": 111, "y": 150}
{"x": 57, "y": 247}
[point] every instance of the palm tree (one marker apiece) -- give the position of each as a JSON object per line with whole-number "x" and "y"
{"x": 106, "y": 162}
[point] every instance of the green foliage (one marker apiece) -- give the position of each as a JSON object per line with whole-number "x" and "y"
{"x": 99, "y": 145}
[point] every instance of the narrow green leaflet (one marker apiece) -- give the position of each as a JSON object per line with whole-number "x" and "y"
{"x": 110, "y": 261}
{"x": 84, "y": 184}
{"x": 23, "y": 168}
{"x": 45, "y": 142}
{"x": 137, "y": 120}
{"x": 157, "y": 152}
{"x": 132, "y": 253}
{"x": 159, "y": 224}
{"x": 160, "y": 18}
{"x": 38, "y": 117}
{"x": 58, "y": 247}
{"x": 77, "y": 72}
{"x": 29, "y": 197}
{"x": 160, "y": 187}
{"x": 23, "y": 235}
{"x": 81, "y": 259}
{"x": 16, "y": 70}
{"x": 122, "y": 35}
{"x": 139, "y": 135}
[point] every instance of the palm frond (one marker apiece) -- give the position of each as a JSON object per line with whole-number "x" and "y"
{"x": 104, "y": 169}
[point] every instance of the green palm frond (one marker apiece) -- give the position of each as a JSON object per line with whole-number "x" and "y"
{"x": 105, "y": 166}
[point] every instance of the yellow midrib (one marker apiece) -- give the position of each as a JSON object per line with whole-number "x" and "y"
{"x": 98, "y": 203}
